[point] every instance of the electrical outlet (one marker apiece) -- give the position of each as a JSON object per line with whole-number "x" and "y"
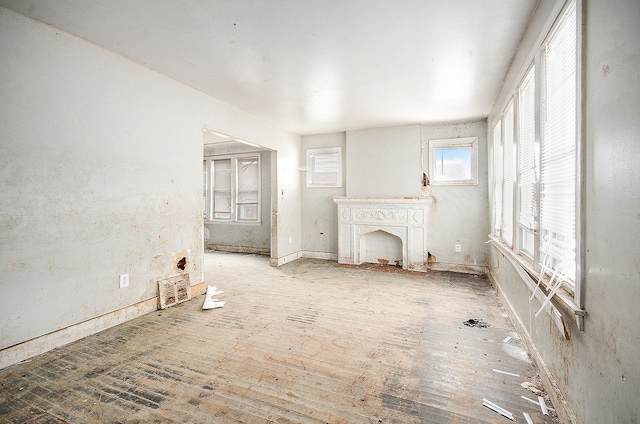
{"x": 458, "y": 248}
{"x": 290, "y": 240}
{"x": 124, "y": 280}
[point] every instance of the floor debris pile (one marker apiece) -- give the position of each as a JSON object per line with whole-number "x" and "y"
{"x": 529, "y": 385}
{"x": 474, "y": 322}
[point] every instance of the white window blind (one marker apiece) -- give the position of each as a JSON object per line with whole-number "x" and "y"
{"x": 509, "y": 162}
{"x": 497, "y": 178}
{"x": 324, "y": 167}
{"x": 527, "y": 163}
{"x": 558, "y": 150}
{"x": 221, "y": 189}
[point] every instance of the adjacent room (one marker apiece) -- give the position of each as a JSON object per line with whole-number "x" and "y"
{"x": 417, "y": 211}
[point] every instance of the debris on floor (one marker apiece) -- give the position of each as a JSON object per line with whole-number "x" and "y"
{"x": 507, "y": 373}
{"x": 527, "y": 417}
{"x": 210, "y": 302}
{"x": 474, "y": 322}
{"x": 500, "y": 410}
{"x": 532, "y": 388}
{"x": 543, "y": 406}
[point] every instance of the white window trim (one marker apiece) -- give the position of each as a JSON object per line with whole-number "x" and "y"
{"x": 569, "y": 299}
{"x": 454, "y": 143}
{"x": 208, "y": 219}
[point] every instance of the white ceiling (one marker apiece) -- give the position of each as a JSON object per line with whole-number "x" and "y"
{"x": 314, "y": 66}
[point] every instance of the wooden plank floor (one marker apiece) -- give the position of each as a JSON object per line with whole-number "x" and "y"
{"x": 309, "y": 342}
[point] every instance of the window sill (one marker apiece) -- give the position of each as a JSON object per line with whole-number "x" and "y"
{"x": 562, "y": 300}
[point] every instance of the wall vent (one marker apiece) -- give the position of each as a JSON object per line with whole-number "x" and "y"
{"x": 174, "y": 290}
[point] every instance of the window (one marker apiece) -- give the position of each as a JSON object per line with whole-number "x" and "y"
{"x": 527, "y": 163}
{"x": 534, "y": 158}
{"x": 453, "y": 161}
{"x": 324, "y": 167}
{"x": 232, "y": 189}
{"x": 509, "y": 163}
{"x": 558, "y": 147}
{"x": 248, "y": 189}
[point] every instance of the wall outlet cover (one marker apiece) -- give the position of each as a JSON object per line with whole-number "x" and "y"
{"x": 124, "y": 280}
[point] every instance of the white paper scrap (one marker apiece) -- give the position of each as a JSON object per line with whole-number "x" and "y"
{"x": 507, "y": 373}
{"x": 209, "y": 301}
{"x": 213, "y": 291}
{"x": 212, "y": 304}
{"x": 527, "y": 417}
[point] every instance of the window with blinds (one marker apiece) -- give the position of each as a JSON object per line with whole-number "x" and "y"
{"x": 534, "y": 168}
{"x": 558, "y": 147}
{"x": 527, "y": 163}
{"x": 221, "y": 170}
{"x": 508, "y": 177}
{"x": 232, "y": 189}
{"x": 324, "y": 167}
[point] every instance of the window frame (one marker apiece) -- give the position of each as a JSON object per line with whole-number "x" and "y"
{"x": 529, "y": 81}
{"x": 209, "y": 185}
{"x": 571, "y": 295}
{"x": 470, "y": 143}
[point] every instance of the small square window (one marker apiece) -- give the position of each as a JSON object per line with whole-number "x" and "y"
{"x": 324, "y": 167}
{"x": 453, "y": 161}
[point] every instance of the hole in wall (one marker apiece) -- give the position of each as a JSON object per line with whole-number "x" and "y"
{"x": 182, "y": 264}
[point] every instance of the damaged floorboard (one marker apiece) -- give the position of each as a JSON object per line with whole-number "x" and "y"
{"x": 308, "y": 342}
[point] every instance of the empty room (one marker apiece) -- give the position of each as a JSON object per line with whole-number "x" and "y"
{"x": 356, "y": 211}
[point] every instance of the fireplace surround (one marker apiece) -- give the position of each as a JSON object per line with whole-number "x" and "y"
{"x": 405, "y": 218}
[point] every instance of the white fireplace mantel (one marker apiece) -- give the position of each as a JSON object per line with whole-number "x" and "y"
{"x": 405, "y": 218}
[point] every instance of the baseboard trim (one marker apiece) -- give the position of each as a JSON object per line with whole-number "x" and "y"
{"x": 546, "y": 377}
{"x": 319, "y": 255}
{"x": 17, "y": 353}
{"x": 276, "y": 262}
{"x": 461, "y": 268}
{"x": 239, "y": 249}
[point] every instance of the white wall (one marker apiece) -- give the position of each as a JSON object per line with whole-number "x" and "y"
{"x": 319, "y": 212}
{"x": 597, "y": 371}
{"x": 459, "y": 214}
{"x": 100, "y": 175}
{"x": 384, "y": 162}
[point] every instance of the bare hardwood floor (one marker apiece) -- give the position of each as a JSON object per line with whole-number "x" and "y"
{"x": 309, "y": 342}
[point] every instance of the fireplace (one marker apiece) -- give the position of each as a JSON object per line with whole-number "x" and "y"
{"x": 370, "y": 228}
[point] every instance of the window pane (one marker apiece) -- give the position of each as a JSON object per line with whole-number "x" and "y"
{"x": 508, "y": 175}
{"x": 558, "y": 150}
{"x": 248, "y": 189}
{"x": 497, "y": 178}
{"x": 204, "y": 190}
{"x": 324, "y": 167}
{"x": 222, "y": 189}
{"x": 527, "y": 243}
{"x": 453, "y": 164}
{"x": 248, "y": 212}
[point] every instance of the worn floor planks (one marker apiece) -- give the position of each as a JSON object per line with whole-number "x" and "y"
{"x": 309, "y": 342}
